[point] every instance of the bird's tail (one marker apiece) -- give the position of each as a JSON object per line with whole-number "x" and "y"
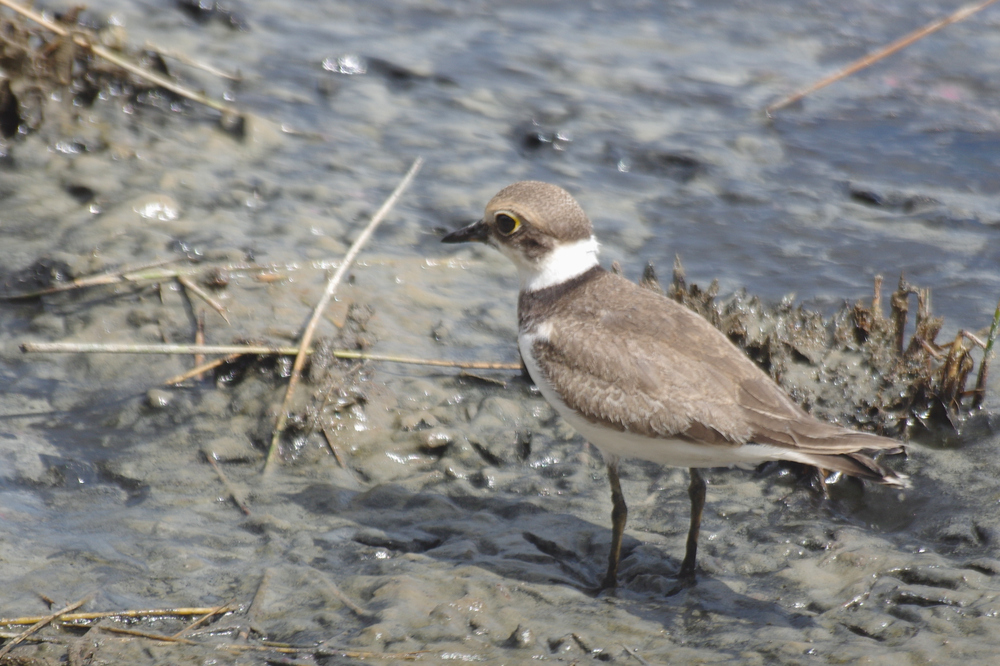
{"x": 860, "y": 465}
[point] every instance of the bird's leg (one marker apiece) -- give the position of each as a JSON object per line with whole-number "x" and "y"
{"x": 619, "y": 513}
{"x": 696, "y": 491}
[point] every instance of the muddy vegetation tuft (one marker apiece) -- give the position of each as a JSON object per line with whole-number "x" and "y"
{"x": 38, "y": 66}
{"x": 859, "y": 366}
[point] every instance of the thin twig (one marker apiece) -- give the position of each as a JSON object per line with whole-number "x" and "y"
{"x": 147, "y": 271}
{"x": 237, "y": 497}
{"x": 193, "y": 287}
{"x": 152, "y": 272}
{"x": 984, "y": 364}
{"x": 42, "y": 622}
{"x": 483, "y": 378}
{"x": 190, "y": 62}
{"x": 322, "y": 651}
{"x": 97, "y": 615}
{"x": 324, "y": 425}
{"x": 118, "y": 348}
{"x": 256, "y": 603}
{"x": 885, "y": 51}
{"x": 344, "y": 599}
{"x": 156, "y": 79}
{"x": 145, "y": 634}
{"x": 326, "y": 651}
{"x": 635, "y": 655}
{"x": 972, "y": 337}
{"x": 218, "y": 610}
{"x": 877, "y": 298}
{"x": 930, "y": 350}
{"x": 331, "y": 288}
{"x": 126, "y": 348}
{"x": 199, "y": 338}
{"x": 331, "y": 441}
{"x": 199, "y": 370}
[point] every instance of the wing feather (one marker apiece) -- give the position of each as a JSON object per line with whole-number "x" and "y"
{"x": 642, "y": 363}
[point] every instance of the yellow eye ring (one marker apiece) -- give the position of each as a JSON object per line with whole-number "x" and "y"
{"x": 506, "y": 223}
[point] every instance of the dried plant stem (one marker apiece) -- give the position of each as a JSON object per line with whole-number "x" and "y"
{"x": 199, "y": 337}
{"x": 635, "y": 655}
{"x": 237, "y": 496}
{"x": 191, "y": 62}
{"x": 331, "y": 442}
{"x": 193, "y": 287}
{"x": 199, "y": 370}
{"x": 39, "y": 623}
{"x": 331, "y": 288}
{"x": 149, "y": 271}
{"x": 99, "y": 615}
{"x": 236, "y": 350}
{"x": 218, "y": 610}
{"x": 980, "y": 389}
{"x": 344, "y": 599}
{"x": 885, "y": 51}
{"x": 126, "y": 348}
{"x": 256, "y": 603}
{"x": 323, "y": 651}
{"x": 156, "y": 79}
{"x": 877, "y": 298}
{"x": 145, "y": 634}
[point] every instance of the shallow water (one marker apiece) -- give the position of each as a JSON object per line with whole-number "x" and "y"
{"x": 651, "y": 115}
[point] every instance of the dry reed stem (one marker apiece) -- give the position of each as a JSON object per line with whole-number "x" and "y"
{"x": 191, "y": 62}
{"x": 152, "y": 272}
{"x": 877, "y": 298}
{"x": 197, "y": 371}
{"x": 483, "y": 378}
{"x": 81, "y": 40}
{"x": 344, "y": 599}
{"x": 199, "y": 338}
{"x": 331, "y": 442}
{"x": 884, "y": 52}
{"x": 193, "y": 287}
{"x": 980, "y": 389}
{"x": 40, "y": 623}
{"x": 279, "y": 648}
{"x": 145, "y": 634}
{"x": 635, "y": 655}
{"x": 331, "y": 288}
{"x": 98, "y": 615}
{"x": 255, "y": 604}
{"x": 234, "y": 494}
{"x": 236, "y": 350}
{"x": 218, "y": 610}
{"x": 128, "y": 274}
{"x": 326, "y": 651}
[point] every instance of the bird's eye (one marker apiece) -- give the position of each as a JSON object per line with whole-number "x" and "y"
{"x": 507, "y": 224}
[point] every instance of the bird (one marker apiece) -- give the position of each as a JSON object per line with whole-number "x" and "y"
{"x": 639, "y": 375}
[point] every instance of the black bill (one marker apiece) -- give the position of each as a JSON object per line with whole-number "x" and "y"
{"x": 475, "y": 232}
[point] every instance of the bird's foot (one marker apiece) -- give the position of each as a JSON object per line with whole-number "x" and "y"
{"x": 606, "y": 585}
{"x": 686, "y": 579}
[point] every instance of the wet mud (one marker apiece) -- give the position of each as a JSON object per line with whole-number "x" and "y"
{"x": 468, "y": 521}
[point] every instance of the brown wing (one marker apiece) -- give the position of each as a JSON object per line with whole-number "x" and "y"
{"x": 653, "y": 367}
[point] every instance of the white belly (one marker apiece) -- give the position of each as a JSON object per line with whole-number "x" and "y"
{"x": 614, "y": 444}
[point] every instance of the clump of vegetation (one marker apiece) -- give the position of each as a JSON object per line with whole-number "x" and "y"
{"x": 71, "y": 61}
{"x": 857, "y": 367}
